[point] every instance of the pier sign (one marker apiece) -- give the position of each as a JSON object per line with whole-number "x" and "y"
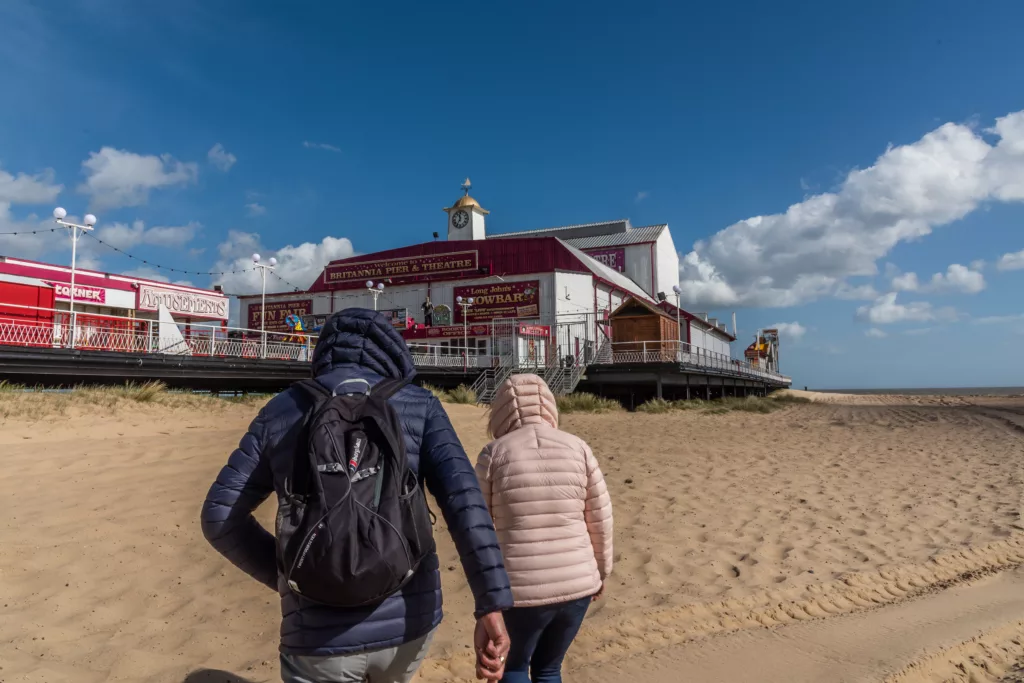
{"x": 277, "y": 314}
{"x": 613, "y": 258}
{"x": 398, "y": 268}
{"x": 446, "y": 332}
{"x": 499, "y": 300}
{"x": 83, "y": 293}
{"x": 182, "y": 302}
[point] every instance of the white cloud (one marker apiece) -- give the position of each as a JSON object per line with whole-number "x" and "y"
{"x": 28, "y": 189}
{"x": 876, "y": 333}
{"x": 793, "y": 330}
{"x": 885, "y": 311}
{"x": 1014, "y": 261}
{"x": 124, "y": 236}
{"x": 642, "y": 195}
{"x": 25, "y": 244}
{"x": 809, "y": 251}
{"x": 907, "y": 282}
{"x": 220, "y": 158}
{"x": 147, "y": 274}
{"x": 978, "y": 264}
{"x": 320, "y": 145}
{"x": 153, "y": 274}
{"x": 116, "y": 178}
{"x": 957, "y": 278}
{"x": 998, "y": 319}
{"x": 299, "y": 265}
{"x": 856, "y": 292}
{"x": 918, "y": 331}
{"x": 255, "y": 209}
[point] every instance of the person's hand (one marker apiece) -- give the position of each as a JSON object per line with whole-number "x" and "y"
{"x": 599, "y": 594}
{"x": 492, "y": 643}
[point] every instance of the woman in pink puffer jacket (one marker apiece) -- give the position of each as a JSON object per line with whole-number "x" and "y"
{"x": 553, "y": 515}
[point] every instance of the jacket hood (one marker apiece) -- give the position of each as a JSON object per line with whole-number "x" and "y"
{"x": 357, "y": 337}
{"x": 522, "y": 400}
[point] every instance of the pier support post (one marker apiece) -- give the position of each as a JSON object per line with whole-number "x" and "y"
{"x": 707, "y": 387}
{"x": 658, "y": 387}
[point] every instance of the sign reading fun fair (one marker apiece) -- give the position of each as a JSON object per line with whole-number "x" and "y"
{"x": 183, "y": 303}
{"x": 411, "y": 266}
{"x": 277, "y": 314}
{"x": 499, "y": 300}
{"x": 83, "y": 293}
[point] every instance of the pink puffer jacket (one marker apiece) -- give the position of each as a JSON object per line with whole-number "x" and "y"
{"x": 547, "y": 496}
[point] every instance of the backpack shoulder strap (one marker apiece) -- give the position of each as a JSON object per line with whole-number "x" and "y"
{"x": 386, "y": 388}
{"x": 313, "y": 390}
{"x": 318, "y": 395}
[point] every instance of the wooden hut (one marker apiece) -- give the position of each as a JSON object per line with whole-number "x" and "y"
{"x": 638, "y": 326}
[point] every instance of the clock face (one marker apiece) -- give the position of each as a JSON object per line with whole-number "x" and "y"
{"x": 460, "y": 219}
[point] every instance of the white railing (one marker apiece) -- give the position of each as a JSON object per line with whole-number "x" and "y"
{"x": 436, "y": 360}
{"x": 571, "y": 339}
{"x": 686, "y": 355}
{"x": 50, "y": 328}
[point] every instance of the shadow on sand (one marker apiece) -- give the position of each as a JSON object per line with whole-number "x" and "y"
{"x": 214, "y": 676}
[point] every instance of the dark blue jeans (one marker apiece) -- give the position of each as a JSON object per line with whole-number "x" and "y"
{"x": 540, "y": 638}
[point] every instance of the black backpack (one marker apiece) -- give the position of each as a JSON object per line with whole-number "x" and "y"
{"x": 353, "y": 525}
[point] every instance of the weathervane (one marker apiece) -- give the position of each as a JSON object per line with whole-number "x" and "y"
{"x": 466, "y": 187}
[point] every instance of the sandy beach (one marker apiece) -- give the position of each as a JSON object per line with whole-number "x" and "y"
{"x": 854, "y": 538}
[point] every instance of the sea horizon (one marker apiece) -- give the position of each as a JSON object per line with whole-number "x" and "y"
{"x": 933, "y": 391}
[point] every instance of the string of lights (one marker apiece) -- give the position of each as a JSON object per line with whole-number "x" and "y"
{"x": 294, "y": 287}
{"x": 31, "y": 232}
{"x": 168, "y": 268}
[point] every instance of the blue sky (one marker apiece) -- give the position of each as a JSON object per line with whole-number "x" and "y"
{"x": 199, "y": 132}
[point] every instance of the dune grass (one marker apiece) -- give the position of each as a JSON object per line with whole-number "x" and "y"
{"x": 462, "y": 394}
{"x": 586, "y": 403}
{"x": 18, "y": 400}
{"x": 438, "y": 392}
{"x": 720, "y": 406}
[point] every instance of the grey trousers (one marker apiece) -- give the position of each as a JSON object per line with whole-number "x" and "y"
{"x": 393, "y": 665}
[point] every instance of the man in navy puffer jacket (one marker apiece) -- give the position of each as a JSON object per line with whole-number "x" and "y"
{"x": 385, "y": 642}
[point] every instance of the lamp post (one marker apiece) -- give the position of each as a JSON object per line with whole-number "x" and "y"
{"x": 376, "y": 290}
{"x": 59, "y": 214}
{"x": 263, "y": 268}
{"x": 465, "y": 303}
{"x": 679, "y": 327}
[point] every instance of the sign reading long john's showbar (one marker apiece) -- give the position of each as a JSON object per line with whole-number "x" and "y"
{"x": 396, "y": 268}
{"x": 183, "y": 303}
{"x": 499, "y": 300}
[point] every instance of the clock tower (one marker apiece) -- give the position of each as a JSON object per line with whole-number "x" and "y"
{"x": 466, "y": 217}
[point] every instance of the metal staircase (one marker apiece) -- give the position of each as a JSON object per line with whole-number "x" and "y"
{"x": 489, "y": 380}
{"x": 562, "y": 374}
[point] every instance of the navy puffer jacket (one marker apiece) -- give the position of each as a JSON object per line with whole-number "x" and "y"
{"x": 357, "y": 343}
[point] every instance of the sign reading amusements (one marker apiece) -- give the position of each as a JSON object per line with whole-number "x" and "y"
{"x": 499, "y": 300}
{"x": 277, "y": 314}
{"x": 183, "y": 303}
{"x": 412, "y": 266}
